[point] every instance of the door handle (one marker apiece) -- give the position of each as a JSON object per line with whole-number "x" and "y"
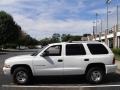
{"x": 60, "y": 60}
{"x": 86, "y": 59}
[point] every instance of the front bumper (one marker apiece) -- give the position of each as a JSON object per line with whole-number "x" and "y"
{"x": 111, "y": 68}
{"x": 6, "y": 71}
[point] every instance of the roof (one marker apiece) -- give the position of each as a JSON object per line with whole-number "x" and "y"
{"x": 75, "y": 42}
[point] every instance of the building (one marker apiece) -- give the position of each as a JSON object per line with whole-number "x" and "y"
{"x": 111, "y": 37}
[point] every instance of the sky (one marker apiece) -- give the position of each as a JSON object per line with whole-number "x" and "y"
{"x": 42, "y": 18}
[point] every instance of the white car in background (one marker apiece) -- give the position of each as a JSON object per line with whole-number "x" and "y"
{"x": 92, "y": 59}
{"x": 39, "y": 46}
{"x": 22, "y": 47}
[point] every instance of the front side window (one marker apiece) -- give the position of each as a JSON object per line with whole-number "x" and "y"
{"x": 75, "y": 49}
{"x": 54, "y": 50}
{"x": 37, "y": 52}
{"x": 97, "y": 49}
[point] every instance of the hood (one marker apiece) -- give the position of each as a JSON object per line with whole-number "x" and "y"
{"x": 19, "y": 58}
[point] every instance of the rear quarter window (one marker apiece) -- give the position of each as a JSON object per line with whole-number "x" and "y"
{"x": 97, "y": 49}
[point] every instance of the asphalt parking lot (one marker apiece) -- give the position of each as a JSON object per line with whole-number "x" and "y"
{"x": 76, "y": 81}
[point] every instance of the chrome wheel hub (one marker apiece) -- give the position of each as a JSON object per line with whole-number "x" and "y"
{"x": 21, "y": 76}
{"x": 96, "y": 76}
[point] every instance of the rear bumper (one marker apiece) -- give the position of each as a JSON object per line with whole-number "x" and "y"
{"x": 6, "y": 71}
{"x": 111, "y": 68}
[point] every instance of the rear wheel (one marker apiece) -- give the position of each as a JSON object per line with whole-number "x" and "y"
{"x": 95, "y": 75}
{"x": 21, "y": 76}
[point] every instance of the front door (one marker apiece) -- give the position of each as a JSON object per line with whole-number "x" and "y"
{"x": 51, "y": 64}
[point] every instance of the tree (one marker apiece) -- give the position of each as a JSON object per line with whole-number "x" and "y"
{"x": 75, "y": 38}
{"x": 45, "y": 41}
{"x": 9, "y": 30}
{"x": 85, "y": 35}
{"x": 29, "y": 41}
{"x": 11, "y": 33}
{"x": 65, "y": 37}
{"x": 55, "y": 38}
{"x": 68, "y": 37}
{"x": 17, "y": 34}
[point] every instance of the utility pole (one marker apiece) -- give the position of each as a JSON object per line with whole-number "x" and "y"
{"x": 96, "y": 24}
{"x": 107, "y": 18}
{"x": 101, "y": 30}
{"x": 117, "y": 13}
{"x": 106, "y": 32}
{"x": 101, "y": 25}
{"x": 94, "y": 30}
{"x": 117, "y": 26}
{"x": 107, "y": 3}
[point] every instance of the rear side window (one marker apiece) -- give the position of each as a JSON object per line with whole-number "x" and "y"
{"x": 75, "y": 49}
{"x": 97, "y": 49}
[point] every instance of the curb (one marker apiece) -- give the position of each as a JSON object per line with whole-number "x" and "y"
{"x": 118, "y": 69}
{"x": 3, "y": 52}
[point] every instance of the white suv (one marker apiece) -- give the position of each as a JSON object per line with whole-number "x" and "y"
{"x": 92, "y": 59}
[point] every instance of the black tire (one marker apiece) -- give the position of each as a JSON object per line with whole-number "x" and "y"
{"x": 98, "y": 72}
{"x": 21, "y": 76}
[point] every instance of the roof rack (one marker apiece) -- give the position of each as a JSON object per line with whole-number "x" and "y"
{"x": 83, "y": 41}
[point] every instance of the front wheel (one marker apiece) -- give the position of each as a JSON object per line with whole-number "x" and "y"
{"x": 21, "y": 76}
{"x": 95, "y": 75}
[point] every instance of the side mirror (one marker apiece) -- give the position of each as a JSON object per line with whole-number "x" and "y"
{"x": 45, "y": 53}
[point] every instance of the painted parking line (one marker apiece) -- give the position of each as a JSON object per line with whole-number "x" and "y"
{"x": 102, "y": 86}
{"x": 14, "y": 86}
{"x": 41, "y": 86}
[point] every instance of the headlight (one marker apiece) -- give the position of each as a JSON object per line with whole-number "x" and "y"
{"x": 6, "y": 66}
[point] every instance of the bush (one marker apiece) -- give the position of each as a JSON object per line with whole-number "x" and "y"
{"x": 116, "y": 51}
{"x": 12, "y": 46}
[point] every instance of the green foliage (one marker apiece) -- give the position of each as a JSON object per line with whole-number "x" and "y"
{"x": 65, "y": 37}
{"x": 57, "y": 38}
{"x": 54, "y": 39}
{"x": 11, "y": 34}
{"x": 75, "y": 38}
{"x": 116, "y": 51}
{"x": 45, "y": 41}
{"x": 8, "y": 29}
{"x": 12, "y": 46}
{"x": 117, "y": 57}
{"x": 85, "y": 35}
{"x": 27, "y": 40}
{"x": 30, "y": 41}
{"x": 68, "y": 37}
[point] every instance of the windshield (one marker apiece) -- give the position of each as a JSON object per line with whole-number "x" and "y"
{"x": 38, "y": 51}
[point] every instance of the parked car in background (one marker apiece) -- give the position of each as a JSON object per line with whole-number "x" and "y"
{"x": 39, "y": 46}
{"x": 22, "y": 48}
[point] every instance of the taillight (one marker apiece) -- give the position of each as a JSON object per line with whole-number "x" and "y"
{"x": 113, "y": 60}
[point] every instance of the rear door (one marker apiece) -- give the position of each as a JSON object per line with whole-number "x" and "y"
{"x": 100, "y": 53}
{"x": 74, "y": 59}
